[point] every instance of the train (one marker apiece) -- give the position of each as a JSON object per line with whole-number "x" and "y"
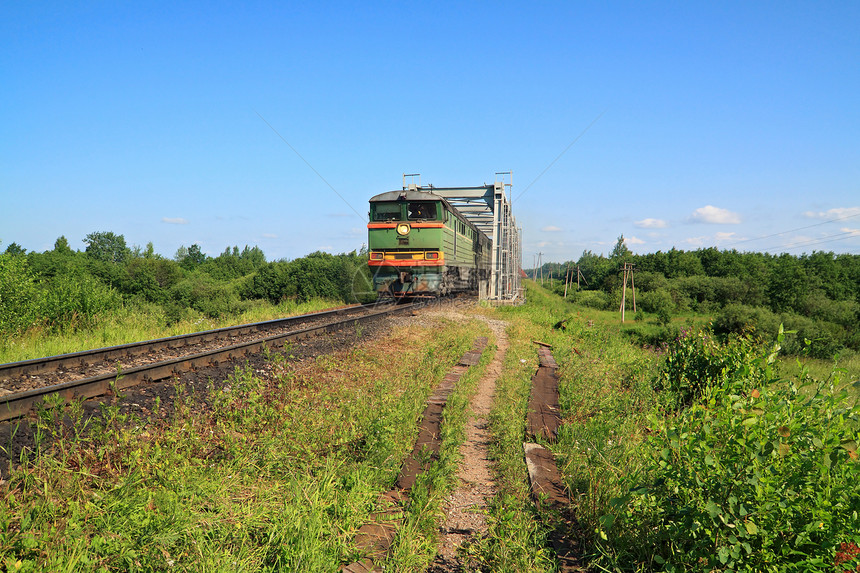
{"x": 422, "y": 246}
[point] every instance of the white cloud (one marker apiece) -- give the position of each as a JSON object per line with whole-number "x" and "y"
{"x": 550, "y": 229}
{"x": 270, "y": 235}
{"x": 854, "y": 232}
{"x": 695, "y": 241}
{"x": 724, "y": 236}
{"x": 543, "y": 244}
{"x": 838, "y": 213}
{"x": 651, "y": 224}
{"x": 633, "y": 241}
{"x": 711, "y": 214}
{"x": 174, "y": 220}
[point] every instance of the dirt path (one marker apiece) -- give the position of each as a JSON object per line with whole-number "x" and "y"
{"x": 464, "y": 508}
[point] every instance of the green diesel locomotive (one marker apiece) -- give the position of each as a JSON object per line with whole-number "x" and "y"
{"x": 420, "y": 245}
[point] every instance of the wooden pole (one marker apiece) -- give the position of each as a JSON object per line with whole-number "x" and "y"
{"x": 624, "y": 293}
{"x": 566, "y": 277}
{"x": 632, "y": 287}
{"x": 540, "y": 262}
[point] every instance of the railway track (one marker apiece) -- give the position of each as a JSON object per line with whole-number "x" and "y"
{"x": 92, "y": 373}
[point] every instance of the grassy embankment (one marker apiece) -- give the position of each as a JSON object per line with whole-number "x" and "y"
{"x": 124, "y": 326}
{"x": 277, "y": 478}
{"x": 702, "y": 457}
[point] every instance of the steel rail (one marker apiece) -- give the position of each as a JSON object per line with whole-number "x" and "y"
{"x": 133, "y": 349}
{"x": 19, "y": 404}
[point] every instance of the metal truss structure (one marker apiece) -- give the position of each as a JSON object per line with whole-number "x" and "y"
{"x": 488, "y": 207}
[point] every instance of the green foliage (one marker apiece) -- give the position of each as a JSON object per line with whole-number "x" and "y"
{"x": 592, "y": 299}
{"x": 664, "y": 316}
{"x": 107, "y": 247}
{"x": 343, "y": 277}
{"x": 19, "y": 294}
{"x": 620, "y": 251}
{"x": 233, "y": 263}
{"x": 189, "y": 258}
{"x": 200, "y": 292}
{"x": 696, "y": 361}
{"x": 15, "y": 249}
{"x": 150, "y": 278}
{"x": 814, "y": 337}
{"x": 61, "y": 246}
{"x": 277, "y": 475}
{"x": 821, "y": 287}
{"x": 655, "y": 301}
{"x": 741, "y": 318}
{"x": 70, "y": 302}
{"x": 758, "y": 475}
{"x": 62, "y": 285}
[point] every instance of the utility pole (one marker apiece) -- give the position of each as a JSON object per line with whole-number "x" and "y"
{"x": 627, "y": 268}
{"x": 566, "y": 277}
{"x": 579, "y": 275}
{"x": 540, "y": 264}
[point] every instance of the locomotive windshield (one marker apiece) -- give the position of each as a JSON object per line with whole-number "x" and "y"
{"x": 422, "y": 210}
{"x": 385, "y": 211}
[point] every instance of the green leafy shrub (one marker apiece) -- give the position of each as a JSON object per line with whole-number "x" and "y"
{"x": 206, "y": 295}
{"x": 593, "y": 299}
{"x": 740, "y": 319}
{"x": 19, "y": 294}
{"x": 696, "y": 361}
{"x": 655, "y": 301}
{"x": 651, "y": 335}
{"x": 759, "y": 475}
{"x": 71, "y": 301}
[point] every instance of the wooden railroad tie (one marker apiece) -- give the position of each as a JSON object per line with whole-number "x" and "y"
{"x": 547, "y": 488}
{"x": 376, "y": 537}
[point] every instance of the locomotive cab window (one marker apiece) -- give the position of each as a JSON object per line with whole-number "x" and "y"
{"x": 385, "y": 211}
{"x": 422, "y": 210}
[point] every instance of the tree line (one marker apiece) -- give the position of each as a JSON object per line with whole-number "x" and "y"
{"x": 815, "y": 295}
{"x": 63, "y": 289}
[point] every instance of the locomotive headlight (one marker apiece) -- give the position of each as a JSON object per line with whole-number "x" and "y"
{"x": 403, "y": 229}
{"x": 376, "y": 256}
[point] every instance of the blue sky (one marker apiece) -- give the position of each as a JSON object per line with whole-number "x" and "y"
{"x": 730, "y": 124}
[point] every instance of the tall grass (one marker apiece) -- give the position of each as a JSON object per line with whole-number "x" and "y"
{"x": 276, "y": 477}
{"x": 136, "y": 323}
{"x": 707, "y": 457}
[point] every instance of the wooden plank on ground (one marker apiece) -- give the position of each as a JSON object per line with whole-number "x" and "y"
{"x": 375, "y": 538}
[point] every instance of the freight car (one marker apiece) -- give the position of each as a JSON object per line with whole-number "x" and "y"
{"x": 420, "y": 245}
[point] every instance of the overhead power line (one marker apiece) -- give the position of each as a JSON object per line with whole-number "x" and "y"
{"x": 309, "y": 165}
{"x": 791, "y": 230}
{"x": 559, "y": 155}
{"x": 810, "y": 242}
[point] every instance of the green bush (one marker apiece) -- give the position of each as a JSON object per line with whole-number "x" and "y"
{"x": 71, "y": 301}
{"x": 741, "y": 319}
{"x": 592, "y": 298}
{"x": 199, "y": 291}
{"x": 815, "y": 338}
{"x": 655, "y": 301}
{"x": 650, "y": 335}
{"x": 759, "y": 475}
{"x": 696, "y": 361}
{"x": 19, "y": 294}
